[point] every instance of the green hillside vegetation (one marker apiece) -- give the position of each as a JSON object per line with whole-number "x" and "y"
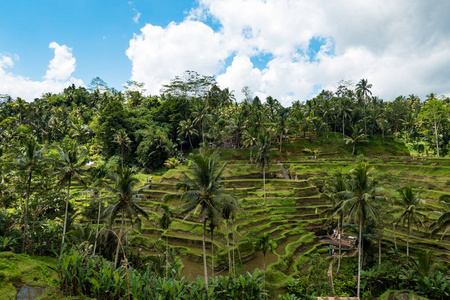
{"x": 113, "y": 195}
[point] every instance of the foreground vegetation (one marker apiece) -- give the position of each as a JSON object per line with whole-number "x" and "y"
{"x": 114, "y": 195}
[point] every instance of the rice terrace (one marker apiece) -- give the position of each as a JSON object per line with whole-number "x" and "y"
{"x": 225, "y": 149}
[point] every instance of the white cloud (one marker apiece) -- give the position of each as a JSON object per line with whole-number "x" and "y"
{"x": 62, "y": 65}
{"x": 399, "y": 46}
{"x": 57, "y": 77}
{"x": 137, "y": 15}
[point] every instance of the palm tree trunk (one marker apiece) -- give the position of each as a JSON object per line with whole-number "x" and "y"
{"x": 359, "y": 257}
{"x": 281, "y": 141}
{"x": 264, "y": 183}
{"x": 167, "y": 254}
{"x": 98, "y": 225}
{"x": 228, "y": 248}
{"x": 25, "y": 214}
{"x": 407, "y": 237}
{"x": 343, "y": 126}
{"x": 212, "y": 253}
{"x": 379, "y": 252}
{"x": 205, "y": 269}
{"x": 67, "y": 208}
{"x": 340, "y": 236}
{"x": 119, "y": 238}
{"x": 395, "y": 238}
{"x": 190, "y": 142}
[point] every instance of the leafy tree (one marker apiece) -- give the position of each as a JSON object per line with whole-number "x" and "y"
{"x": 409, "y": 204}
{"x": 432, "y": 116}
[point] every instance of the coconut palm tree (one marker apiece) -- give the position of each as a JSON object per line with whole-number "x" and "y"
{"x": 409, "y": 206}
{"x": 29, "y": 160}
{"x": 335, "y": 192}
{"x": 363, "y": 90}
{"x": 250, "y": 139}
{"x": 356, "y": 137}
{"x": 265, "y": 243}
{"x": 262, "y": 157}
{"x": 203, "y": 192}
{"x": 127, "y": 197}
{"x": 186, "y": 129}
{"x": 361, "y": 199}
{"x": 345, "y": 108}
{"x": 443, "y": 222}
{"x": 229, "y": 207}
{"x": 71, "y": 165}
{"x": 121, "y": 138}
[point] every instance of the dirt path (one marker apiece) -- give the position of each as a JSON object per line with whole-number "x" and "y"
{"x": 285, "y": 173}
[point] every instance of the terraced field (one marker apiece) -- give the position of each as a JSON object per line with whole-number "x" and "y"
{"x": 291, "y": 215}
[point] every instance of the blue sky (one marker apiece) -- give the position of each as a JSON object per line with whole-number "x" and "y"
{"x": 287, "y": 49}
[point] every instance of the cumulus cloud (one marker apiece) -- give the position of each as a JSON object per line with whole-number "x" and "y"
{"x": 399, "y": 46}
{"x": 57, "y": 76}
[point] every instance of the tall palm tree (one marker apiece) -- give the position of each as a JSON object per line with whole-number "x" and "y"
{"x": 345, "y": 107}
{"x": 335, "y": 192}
{"x": 121, "y": 138}
{"x": 71, "y": 165}
{"x": 229, "y": 207}
{"x": 164, "y": 223}
{"x": 409, "y": 204}
{"x": 29, "y": 160}
{"x": 127, "y": 197}
{"x": 361, "y": 201}
{"x": 363, "y": 89}
{"x": 202, "y": 192}
{"x": 282, "y": 127}
{"x": 262, "y": 157}
{"x": 443, "y": 222}
{"x": 249, "y": 139}
{"x": 202, "y": 116}
{"x": 356, "y": 137}
{"x": 186, "y": 129}
{"x": 265, "y": 243}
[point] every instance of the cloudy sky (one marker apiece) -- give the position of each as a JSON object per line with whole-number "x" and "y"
{"x": 290, "y": 49}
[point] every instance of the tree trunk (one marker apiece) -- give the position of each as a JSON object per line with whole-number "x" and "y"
{"x": 359, "y": 257}
{"x": 205, "y": 269}
{"x": 119, "y": 239}
{"x": 67, "y": 208}
{"x": 167, "y": 254}
{"x": 437, "y": 138}
{"x": 407, "y": 237}
{"x": 281, "y": 141}
{"x": 25, "y": 215}
{"x": 379, "y": 252}
{"x": 98, "y": 225}
{"x": 340, "y": 237}
{"x": 228, "y": 248}
{"x": 190, "y": 142}
{"x": 343, "y": 126}
{"x": 264, "y": 183}
{"x": 212, "y": 253}
{"x": 395, "y": 238}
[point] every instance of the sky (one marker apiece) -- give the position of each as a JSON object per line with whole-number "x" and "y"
{"x": 289, "y": 49}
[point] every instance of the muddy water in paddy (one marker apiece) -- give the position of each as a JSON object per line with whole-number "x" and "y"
{"x": 193, "y": 269}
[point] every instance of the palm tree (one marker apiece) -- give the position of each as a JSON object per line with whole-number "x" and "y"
{"x": 203, "y": 193}
{"x": 127, "y": 196}
{"x": 362, "y": 196}
{"x": 250, "y": 139}
{"x": 264, "y": 243}
{"x": 121, "y": 138}
{"x": 443, "y": 222}
{"x": 335, "y": 192}
{"x": 409, "y": 204}
{"x": 262, "y": 156}
{"x": 282, "y": 127}
{"x": 29, "y": 161}
{"x": 202, "y": 116}
{"x": 164, "y": 223}
{"x": 363, "y": 89}
{"x": 186, "y": 129}
{"x": 70, "y": 165}
{"x": 356, "y": 137}
{"x": 229, "y": 208}
{"x": 345, "y": 105}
